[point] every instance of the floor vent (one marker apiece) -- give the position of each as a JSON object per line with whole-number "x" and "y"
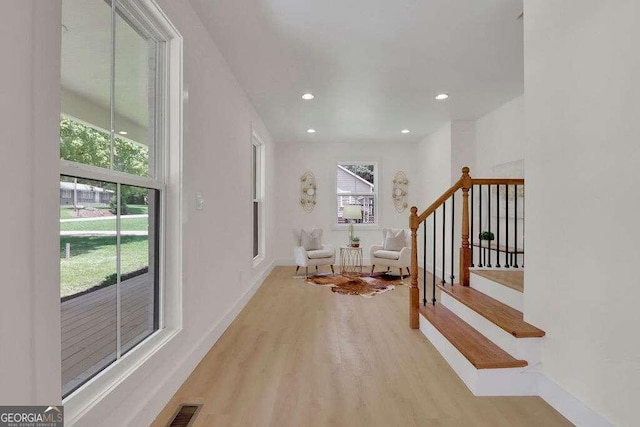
{"x": 185, "y": 415}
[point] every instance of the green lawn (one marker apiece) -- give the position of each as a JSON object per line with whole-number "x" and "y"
{"x": 94, "y": 258}
{"x": 66, "y": 212}
{"x": 138, "y": 209}
{"x": 126, "y": 224}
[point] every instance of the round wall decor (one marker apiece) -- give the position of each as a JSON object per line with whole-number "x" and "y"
{"x": 400, "y": 191}
{"x": 308, "y": 197}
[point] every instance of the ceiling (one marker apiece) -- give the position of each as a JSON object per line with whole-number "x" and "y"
{"x": 374, "y": 66}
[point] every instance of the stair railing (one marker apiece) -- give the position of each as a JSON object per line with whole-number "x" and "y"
{"x": 505, "y": 188}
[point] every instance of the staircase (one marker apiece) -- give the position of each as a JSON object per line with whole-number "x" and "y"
{"x": 477, "y": 324}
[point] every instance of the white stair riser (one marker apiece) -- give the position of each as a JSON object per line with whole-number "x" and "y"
{"x": 504, "y": 294}
{"x": 482, "y": 382}
{"x": 528, "y": 349}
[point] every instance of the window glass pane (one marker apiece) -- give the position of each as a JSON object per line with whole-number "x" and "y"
{"x": 109, "y": 257}
{"x": 135, "y": 68}
{"x": 355, "y": 179}
{"x": 87, "y": 278}
{"x": 367, "y": 203}
{"x": 86, "y": 82}
{"x": 256, "y": 229}
{"x": 254, "y": 170}
{"x": 355, "y": 185}
{"x": 138, "y": 264}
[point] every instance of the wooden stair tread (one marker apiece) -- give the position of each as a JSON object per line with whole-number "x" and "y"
{"x": 507, "y": 318}
{"x": 478, "y": 349}
{"x": 510, "y": 279}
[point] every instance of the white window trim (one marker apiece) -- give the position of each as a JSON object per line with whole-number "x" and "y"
{"x": 258, "y": 142}
{"x": 91, "y": 393}
{"x": 376, "y": 192}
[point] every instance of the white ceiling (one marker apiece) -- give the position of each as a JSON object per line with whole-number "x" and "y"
{"x": 373, "y": 65}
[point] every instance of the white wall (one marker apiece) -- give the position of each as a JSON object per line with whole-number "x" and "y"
{"x": 499, "y": 137}
{"x": 29, "y": 117}
{"x": 434, "y": 165}
{"x": 218, "y": 273}
{"x": 582, "y": 100}
{"x": 294, "y": 159}
{"x": 463, "y": 147}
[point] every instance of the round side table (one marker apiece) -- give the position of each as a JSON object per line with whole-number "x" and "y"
{"x": 350, "y": 260}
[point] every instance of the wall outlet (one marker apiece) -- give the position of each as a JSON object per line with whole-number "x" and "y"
{"x": 199, "y": 202}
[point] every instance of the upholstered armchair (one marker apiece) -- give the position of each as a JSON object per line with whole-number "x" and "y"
{"x": 309, "y": 250}
{"x": 395, "y": 250}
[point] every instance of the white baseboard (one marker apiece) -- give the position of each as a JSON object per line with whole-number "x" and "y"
{"x": 167, "y": 388}
{"x": 568, "y": 405}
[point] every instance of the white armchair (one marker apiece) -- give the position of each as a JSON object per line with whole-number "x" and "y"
{"x": 395, "y": 250}
{"x": 309, "y": 250}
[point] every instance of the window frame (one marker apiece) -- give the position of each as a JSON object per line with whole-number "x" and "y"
{"x": 165, "y": 177}
{"x": 376, "y": 191}
{"x": 258, "y": 194}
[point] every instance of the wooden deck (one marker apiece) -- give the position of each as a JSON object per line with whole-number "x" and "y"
{"x": 89, "y": 327}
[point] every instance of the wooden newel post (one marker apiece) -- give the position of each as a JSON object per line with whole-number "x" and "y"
{"x": 465, "y": 248}
{"x": 414, "y": 293}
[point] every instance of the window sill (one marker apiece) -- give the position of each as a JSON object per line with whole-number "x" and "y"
{"x": 257, "y": 261}
{"x": 361, "y": 227}
{"x": 90, "y": 394}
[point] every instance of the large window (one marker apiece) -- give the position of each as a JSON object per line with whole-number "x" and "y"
{"x": 113, "y": 133}
{"x": 356, "y": 185}
{"x": 257, "y": 176}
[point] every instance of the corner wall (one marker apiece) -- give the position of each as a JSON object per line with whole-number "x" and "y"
{"x": 582, "y": 98}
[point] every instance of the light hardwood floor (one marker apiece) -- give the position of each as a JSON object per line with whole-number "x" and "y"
{"x": 300, "y": 355}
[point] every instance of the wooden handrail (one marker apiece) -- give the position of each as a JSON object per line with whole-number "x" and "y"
{"x": 497, "y": 181}
{"x": 435, "y": 205}
{"x": 465, "y": 183}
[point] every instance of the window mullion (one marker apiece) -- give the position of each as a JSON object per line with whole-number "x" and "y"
{"x": 118, "y": 272}
{"x": 81, "y": 170}
{"x": 112, "y": 84}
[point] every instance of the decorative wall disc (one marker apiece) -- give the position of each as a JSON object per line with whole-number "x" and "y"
{"x": 308, "y": 196}
{"x": 400, "y": 191}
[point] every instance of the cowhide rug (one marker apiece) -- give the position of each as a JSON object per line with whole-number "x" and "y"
{"x": 363, "y": 284}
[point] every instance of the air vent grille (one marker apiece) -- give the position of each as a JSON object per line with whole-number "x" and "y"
{"x": 185, "y": 415}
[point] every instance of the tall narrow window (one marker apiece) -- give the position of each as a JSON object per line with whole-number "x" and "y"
{"x": 113, "y": 183}
{"x": 257, "y": 172}
{"x": 356, "y": 185}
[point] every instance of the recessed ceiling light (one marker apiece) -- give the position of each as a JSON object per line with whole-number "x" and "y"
{"x": 123, "y": 132}
{"x": 405, "y": 131}
{"x": 308, "y": 96}
{"x": 442, "y": 96}
{"x": 311, "y": 131}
